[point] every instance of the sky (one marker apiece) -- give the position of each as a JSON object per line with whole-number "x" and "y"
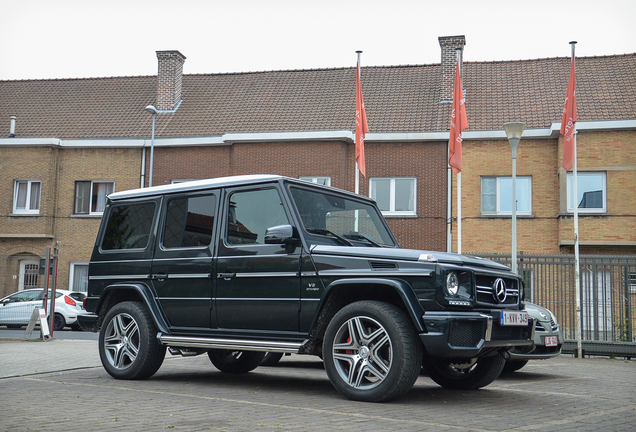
{"x": 41, "y": 39}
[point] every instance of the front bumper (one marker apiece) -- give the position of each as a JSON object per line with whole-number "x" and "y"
{"x": 467, "y": 334}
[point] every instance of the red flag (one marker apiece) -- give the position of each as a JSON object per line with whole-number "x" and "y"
{"x": 568, "y": 120}
{"x": 458, "y": 124}
{"x": 361, "y": 124}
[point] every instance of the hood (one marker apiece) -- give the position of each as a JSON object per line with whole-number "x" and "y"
{"x": 408, "y": 255}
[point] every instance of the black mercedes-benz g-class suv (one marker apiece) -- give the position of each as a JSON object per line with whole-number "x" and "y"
{"x": 236, "y": 267}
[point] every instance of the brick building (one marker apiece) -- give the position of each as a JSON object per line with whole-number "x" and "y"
{"x": 73, "y": 141}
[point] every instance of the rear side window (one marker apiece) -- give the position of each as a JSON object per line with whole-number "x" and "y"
{"x": 129, "y": 226}
{"x": 189, "y": 222}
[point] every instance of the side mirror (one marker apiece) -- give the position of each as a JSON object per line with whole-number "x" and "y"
{"x": 282, "y": 234}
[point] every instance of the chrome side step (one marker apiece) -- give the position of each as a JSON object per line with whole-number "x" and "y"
{"x": 232, "y": 344}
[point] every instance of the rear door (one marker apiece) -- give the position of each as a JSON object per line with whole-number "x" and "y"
{"x": 182, "y": 266}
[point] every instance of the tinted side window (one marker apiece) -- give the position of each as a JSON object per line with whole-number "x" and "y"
{"x": 251, "y": 213}
{"x": 129, "y": 226}
{"x": 189, "y": 222}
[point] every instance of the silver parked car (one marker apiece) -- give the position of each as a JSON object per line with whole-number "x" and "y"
{"x": 16, "y": 309}
{"x": 548, "y": 339}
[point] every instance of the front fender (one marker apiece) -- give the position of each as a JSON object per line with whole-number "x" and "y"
{"x": 399, "y": 286}
{"x": 119, "y": 292}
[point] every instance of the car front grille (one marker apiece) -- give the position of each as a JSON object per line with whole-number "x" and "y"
{"x": 487, "y": 291}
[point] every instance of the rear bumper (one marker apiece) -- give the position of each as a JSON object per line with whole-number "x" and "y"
{"x": 88, "y": 322}
{"x": 468, "y": 334}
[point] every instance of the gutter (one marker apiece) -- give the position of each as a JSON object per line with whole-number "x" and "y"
{"x": 337, "y": 135}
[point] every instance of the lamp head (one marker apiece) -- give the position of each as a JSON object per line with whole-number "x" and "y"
{"x": 513, "y": 130}
{"x": 152, "y": 110}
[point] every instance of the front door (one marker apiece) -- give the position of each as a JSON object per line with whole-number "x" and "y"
{"x": 258, "y": 284}
{"x": 182, "y": 267}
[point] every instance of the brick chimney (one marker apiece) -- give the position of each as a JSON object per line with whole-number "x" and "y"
{"x": 449, "y": 45}
{"x": 169, "y": 79}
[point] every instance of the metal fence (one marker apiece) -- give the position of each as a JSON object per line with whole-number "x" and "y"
{"x": 608, "y": 293}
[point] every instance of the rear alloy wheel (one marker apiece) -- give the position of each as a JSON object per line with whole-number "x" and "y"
{"x": 271, "y": 359}
{"x": 371, "y": 352}
{"x": 128, "y": 346}
{"x": 235, "y": 362}
{"x": 464, "y": 375}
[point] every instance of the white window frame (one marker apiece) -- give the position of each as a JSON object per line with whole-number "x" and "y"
{"x": 569, "y": 186}
{"x": 322, "y": 180}
{"x": 498, "y": 211}
{"x": 71, "y": 279}
{"x": 392, "y": 211}
{"x": 27, "y": 209}
{"x": 90, "y": 195}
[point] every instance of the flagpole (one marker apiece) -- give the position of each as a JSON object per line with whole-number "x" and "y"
{"x": 357, "y": 185}
{"x": 577, "y": 262}
{"x": 459, "y": 189}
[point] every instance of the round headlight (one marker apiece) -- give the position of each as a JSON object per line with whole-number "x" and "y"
{"x": 452, "y": 284}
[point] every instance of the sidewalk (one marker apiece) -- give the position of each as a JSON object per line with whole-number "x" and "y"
{"x": 19, "y": 358}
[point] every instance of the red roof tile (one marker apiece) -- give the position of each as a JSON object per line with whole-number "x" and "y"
{"x": 397, "y": 99}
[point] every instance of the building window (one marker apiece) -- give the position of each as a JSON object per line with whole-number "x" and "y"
{"x": 631, "y": 282}
{"x": 26, "y": 198}
{"x": 90, "y": 196}
{"x": 395, "y": 196}
{"x": 324, "y": 180}
{"x": 496, "y": 195}
{"x": 591, "y": 192}
{"x": 79, "y": 277}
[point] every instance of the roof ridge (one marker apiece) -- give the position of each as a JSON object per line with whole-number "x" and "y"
{"x": 548, "y": 58}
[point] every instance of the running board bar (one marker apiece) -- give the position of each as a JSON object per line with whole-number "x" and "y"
{"x": 232, "y": 344}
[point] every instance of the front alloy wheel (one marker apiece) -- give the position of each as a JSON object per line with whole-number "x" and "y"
{"x": 128, "y": 347}
{"x": 371, "y": 352}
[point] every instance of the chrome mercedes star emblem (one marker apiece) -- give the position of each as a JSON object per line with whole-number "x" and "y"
{"x": 499, "y": 290}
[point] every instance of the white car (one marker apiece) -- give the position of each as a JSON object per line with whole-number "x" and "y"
{"x": 16, "y": 309}
{"x": 548, "y": 339}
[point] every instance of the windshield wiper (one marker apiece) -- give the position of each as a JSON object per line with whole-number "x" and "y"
{"x": 354, "y": 235}
{"x": 325, "y": 232}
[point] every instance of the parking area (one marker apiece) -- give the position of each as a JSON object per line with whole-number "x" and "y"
{"x": 60, "y": 386}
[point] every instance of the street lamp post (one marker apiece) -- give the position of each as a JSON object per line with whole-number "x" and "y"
{"x": 514, "y": 132}
{"x": 152, "y": 110}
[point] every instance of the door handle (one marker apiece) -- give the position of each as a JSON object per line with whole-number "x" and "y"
{"x": 160, "y": 277}
{"x": 225, "y": 276}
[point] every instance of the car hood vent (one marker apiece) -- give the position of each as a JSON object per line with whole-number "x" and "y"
{"x": 383, "y": 265}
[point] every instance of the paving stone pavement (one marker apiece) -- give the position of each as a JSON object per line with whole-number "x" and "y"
{"x": 60, "y": 386}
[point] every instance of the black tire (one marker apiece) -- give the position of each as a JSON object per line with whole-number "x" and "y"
{"x": 513, "y": 366}
{"x": 128, "y": 345}
{"x": 465, "y": 375}
{"x": 271, "y": 359}
{"x": 235, "y": 362}
{"x": 58, "y": 322}
{"x": 371, "y": 352}
{"x": 14, "y": 326}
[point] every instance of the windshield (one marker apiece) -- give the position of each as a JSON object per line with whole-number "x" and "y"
{"x": 337, "y": 219}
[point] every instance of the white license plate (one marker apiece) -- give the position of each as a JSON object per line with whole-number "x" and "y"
{"x": 551, "y": 341}
{"x": 513, "y": 318}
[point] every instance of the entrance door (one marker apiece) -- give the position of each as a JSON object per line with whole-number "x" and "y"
{"x": 28, "y": 274}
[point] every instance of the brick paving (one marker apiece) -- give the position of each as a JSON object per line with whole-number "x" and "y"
{"x": 61, "y": 386}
